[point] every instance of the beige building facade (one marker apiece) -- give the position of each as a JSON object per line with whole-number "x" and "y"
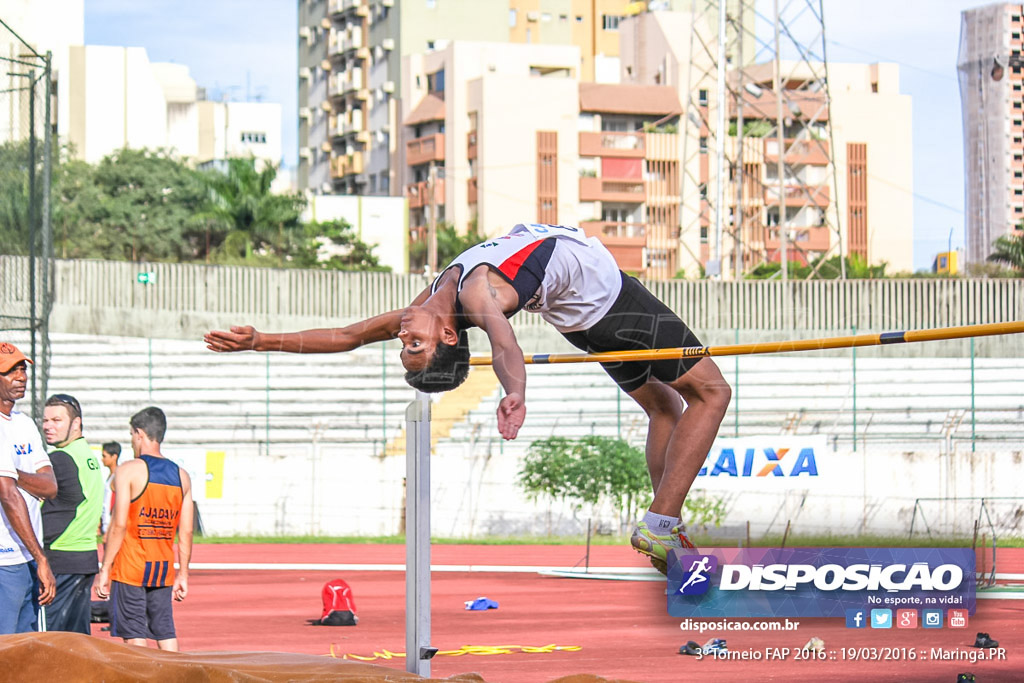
{"x": 864, "y": 206}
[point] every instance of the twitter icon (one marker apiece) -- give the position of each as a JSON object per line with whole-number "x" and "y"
{"x": 881, "y": 618}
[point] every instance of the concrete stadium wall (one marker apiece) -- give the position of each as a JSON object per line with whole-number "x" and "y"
{"x": 873, "y": 490}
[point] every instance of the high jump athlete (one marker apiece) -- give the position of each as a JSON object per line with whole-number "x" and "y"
{"x": 573, "y": 282}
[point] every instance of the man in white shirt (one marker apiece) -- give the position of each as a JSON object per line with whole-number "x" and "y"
{"x": 26, "y": 581}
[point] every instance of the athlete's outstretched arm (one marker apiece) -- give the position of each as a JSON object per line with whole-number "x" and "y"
{"x": 329, "y": 340}
{"x": 481, "y": 307}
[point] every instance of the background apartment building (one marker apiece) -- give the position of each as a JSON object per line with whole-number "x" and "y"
{"x": 989, "y": 66}
{"x": 864, "y": 203}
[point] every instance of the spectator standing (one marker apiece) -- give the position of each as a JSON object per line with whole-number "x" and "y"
{"x": 26, "y": 580}
{"x": 70, "y": 519}
{"x": 110, "y": 455}
{"x": 153, "y": 501}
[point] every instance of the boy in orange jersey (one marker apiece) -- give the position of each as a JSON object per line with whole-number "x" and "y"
{"x": 154, "y": 502}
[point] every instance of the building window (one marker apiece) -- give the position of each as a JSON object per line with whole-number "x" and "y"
{"x": 703, "y": 234}
{"x": 512, "y": 18}
{"x": 610, "y": 22}
{"x": 579, "y": 19}
{"x": 431, "y": 4}
{"x": 430, "y": 46}
{"x": 254, "y": 137}
{"x": 703, "y": 144}
{"x": 435, "y": 81}
{"x": 702, "y": 97}
{"x": 703, "y": 187}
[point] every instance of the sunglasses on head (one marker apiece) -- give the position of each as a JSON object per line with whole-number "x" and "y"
{"x": 69, "y": 401}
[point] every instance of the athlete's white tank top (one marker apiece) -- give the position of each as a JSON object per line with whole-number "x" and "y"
{"x": 580, "y": 280}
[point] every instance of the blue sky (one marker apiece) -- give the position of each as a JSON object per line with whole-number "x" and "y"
{"x": 235, "y": 47}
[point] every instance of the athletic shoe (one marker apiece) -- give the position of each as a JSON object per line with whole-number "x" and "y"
{"x": 657, "y": 547}
{"x": 713, "y": 645}
{"x": 984, "y": 640}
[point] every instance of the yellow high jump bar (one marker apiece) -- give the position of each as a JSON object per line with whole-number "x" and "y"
{"x": 882, "y": 339}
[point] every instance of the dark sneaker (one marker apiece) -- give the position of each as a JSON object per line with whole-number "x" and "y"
{"x": 984, "y": 640}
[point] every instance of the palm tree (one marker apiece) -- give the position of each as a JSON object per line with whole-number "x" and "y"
{"x": 1009, "y": 250}
{"x": 246, "y": 218}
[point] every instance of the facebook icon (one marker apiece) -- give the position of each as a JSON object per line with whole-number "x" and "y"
{"x": 856, "y": 618}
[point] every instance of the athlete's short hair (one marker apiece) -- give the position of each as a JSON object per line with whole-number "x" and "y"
{"x": 150, "y": 421}
{"x": 112, "y": 447}
{"x": 446, "y": 370}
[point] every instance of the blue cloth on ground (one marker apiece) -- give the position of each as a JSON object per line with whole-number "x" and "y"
{"x": 481, "y": 604}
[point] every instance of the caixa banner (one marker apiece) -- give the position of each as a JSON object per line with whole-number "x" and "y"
{"x": 817, "y": 582}
{"x": 766, "y": 461}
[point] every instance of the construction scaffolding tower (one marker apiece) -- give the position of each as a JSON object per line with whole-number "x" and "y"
{"x": 758, "y": 148}
{"x": 26, "y": 146}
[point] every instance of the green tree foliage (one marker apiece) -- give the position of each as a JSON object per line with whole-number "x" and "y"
{"x": 587, "y": 471}
{"x": 243, "y": 222}
{"x": 15, "y": 199}
{"x": 1009, "y": 250}
{"x": 135, "y": 205}
{"x": 449, "y": 245}
{"x": 856, "y": 268}
{"x": 349, "y": 252}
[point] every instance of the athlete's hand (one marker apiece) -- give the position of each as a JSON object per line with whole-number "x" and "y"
{"x": 47, "y": 584}
{"x": 240, "y": 338}
{"x": 511, "y": 415}
{"x": 180, "y": 586}
{"x": 103, "y": 583}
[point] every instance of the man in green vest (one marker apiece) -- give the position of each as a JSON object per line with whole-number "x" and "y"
{"x": 71, "y": 518}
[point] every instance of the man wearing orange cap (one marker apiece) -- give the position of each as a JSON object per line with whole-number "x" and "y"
{"x": 25, "y": 477}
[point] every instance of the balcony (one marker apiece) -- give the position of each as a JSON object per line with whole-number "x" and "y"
{"x": 350, "y": 164}
{"x": 619, "y": 234}
{"x": 612, "y": 190}
{"x": 346, "y": 83}
{"x": 625, "y": 241}
{"x": 418, "y": 195}
{"x": 816, "y": 238}
{"x": 799, "y": 104}
{"x": 796, "y": 195}
{"x": 340, "y": 6}
{"x": 424, "y": 150}
{"x": 798, "y": 153}
{"x": 612, "y": 144}
{"x": 471, "y": 144}
{"x": 349, "y": 123}
{"x": 471, "y": 191}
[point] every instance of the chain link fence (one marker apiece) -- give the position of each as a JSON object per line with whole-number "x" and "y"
{"x": 26, "y": 155}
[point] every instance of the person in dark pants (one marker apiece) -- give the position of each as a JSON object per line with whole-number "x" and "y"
{"x": 573, "y": 283}
{"x": 71, "y": 518}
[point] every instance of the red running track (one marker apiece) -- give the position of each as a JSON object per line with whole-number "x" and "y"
{"x": 621, "y": 626}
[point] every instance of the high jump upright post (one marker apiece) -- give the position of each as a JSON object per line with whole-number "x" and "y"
{"x": 418, "y": 651}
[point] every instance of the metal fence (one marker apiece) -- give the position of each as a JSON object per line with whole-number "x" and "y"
{"x": 25, "y": 164}
{"x": 747, "y": 305}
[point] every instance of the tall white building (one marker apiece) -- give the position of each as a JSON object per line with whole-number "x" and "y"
{"x": 991, "y": 97}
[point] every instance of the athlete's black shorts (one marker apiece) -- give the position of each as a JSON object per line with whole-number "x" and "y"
{"x": 141, "y": 612}
{"x": 638, "y": 320}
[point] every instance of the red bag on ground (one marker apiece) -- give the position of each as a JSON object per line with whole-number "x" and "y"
{"x": 339, "y": 605}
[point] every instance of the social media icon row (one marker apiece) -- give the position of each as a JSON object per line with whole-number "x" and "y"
{"x": 905, "y": 618}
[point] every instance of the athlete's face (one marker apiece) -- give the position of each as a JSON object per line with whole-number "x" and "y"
{"x": 419, "y": 331}
{"x": 59, "y": 428}
{"x": 13, "y": 383}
